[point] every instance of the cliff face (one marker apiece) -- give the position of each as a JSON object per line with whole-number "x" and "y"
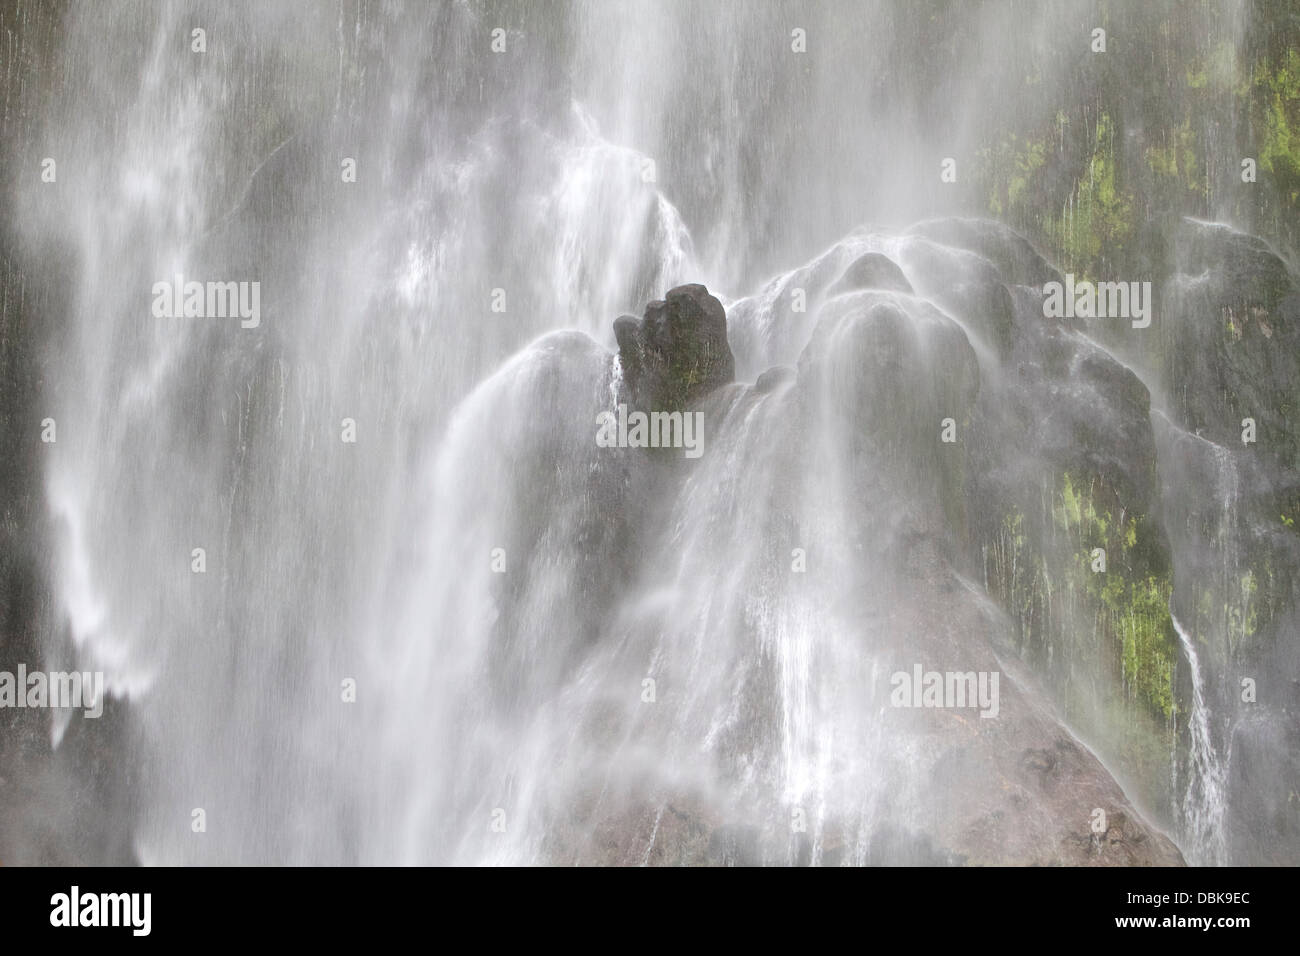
{"x": 958, "y": 504}
{"x": 1046, "y": 445}
{"x": 24, "y": 587}
{"x": 1129, "y": 523}
{"x": 56, "y": 807}
{"x": 989, "y": 454}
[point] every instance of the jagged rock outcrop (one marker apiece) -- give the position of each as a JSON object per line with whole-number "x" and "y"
{"x": 676, "y": 353}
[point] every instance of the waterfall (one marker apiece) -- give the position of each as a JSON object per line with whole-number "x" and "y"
{"x": 1204, "y": 797}
{"x": 362, "y": 585}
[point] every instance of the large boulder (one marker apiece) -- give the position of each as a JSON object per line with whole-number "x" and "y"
{"x": 678, "y": 352}
{"x": 872, "y": 270}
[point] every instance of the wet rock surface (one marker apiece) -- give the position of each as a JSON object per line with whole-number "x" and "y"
{"x": 677, "y": 352}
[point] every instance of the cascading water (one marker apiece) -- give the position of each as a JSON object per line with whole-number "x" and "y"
{"x": 1203, "y": 803}
{"x": 362, "y": 584}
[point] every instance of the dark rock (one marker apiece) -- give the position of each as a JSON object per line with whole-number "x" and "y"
{"x": 973, "y": 290}
{"x": 774, "y": 377}
{"x": 678, "y": 352}
{"x": 1013, "y": 255}
{"x": 1230, "y": 323}
{"x": 872, "y": 271}
{"x": 899, "y": 371}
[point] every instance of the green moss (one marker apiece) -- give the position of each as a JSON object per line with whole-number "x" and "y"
{"x": 1243, "y": 614}
{"x": 1177, "y": 159}
{"x": 1277, "y": 121}
{"x": 1135, "y": 153}
{"x": 1215, "y": 71}
{"x": 1071, "y": 505}
{"x": 1009, "y": 168}
{"x": 1147, "y": 632}
{"x": 1099, "y": 214}
{"x": 1069, "y": 616}
{"x": 1129, "y": 601}
{"x": 1236, "y": 608}
{"x": 1078, "y": 513}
